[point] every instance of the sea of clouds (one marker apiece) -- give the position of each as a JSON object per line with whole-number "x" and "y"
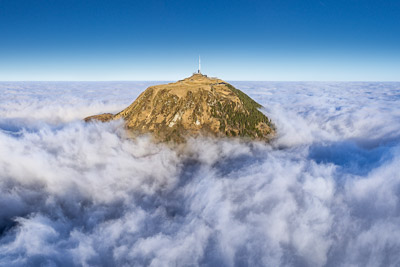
{"x": 325, "y": 192}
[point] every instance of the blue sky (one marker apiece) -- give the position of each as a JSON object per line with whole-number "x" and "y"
{"x": 237, "y": 40}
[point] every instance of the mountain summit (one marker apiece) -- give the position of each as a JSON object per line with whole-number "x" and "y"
{"x": 192, "y": 106}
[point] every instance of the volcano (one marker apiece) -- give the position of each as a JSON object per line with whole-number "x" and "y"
{"x": 197, "y": 105}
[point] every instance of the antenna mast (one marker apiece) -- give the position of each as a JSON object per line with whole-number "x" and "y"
{"x": 199, "y": 71}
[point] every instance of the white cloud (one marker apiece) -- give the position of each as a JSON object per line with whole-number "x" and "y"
{"x": 325, "y": 192}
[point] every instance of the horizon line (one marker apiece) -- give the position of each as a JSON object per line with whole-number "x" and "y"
{"x": 175, "y": 80}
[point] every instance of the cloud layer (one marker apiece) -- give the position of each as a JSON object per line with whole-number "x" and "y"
{"x": 324, "y": 193}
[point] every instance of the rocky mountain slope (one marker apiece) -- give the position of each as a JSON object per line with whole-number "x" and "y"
{"x": 195, "y": 105}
